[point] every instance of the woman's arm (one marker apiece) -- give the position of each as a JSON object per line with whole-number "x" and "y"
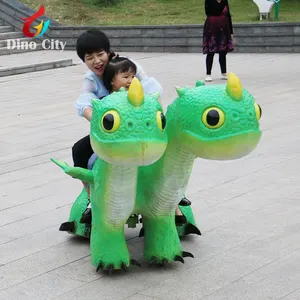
{"x": 209, "y": 8}
{"x": 84, "y": 102}
{"x": 229, "y": 17}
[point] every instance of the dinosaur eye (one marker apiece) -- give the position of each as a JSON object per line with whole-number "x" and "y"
{"x": 213, "y": 118}
{"x": 111, "y": 121}
{"x": 258, "y": 111}
{"x": 161, "y": 120}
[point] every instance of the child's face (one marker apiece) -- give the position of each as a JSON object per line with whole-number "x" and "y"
{"x": 97, "y": 61}
{"x": 122, "y": 80}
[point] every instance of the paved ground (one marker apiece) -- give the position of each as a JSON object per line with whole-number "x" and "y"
{"x": 248, "y": 210}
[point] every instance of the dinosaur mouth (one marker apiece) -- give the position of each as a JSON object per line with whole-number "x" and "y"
{"x": 130, "y": 153}
{"x": 226, "y": 148}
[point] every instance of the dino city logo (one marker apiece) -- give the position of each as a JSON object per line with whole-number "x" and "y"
{"x": 40, "y": 30}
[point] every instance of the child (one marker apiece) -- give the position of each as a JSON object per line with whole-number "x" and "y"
{"x": 93, "y": 47}
{"x": 118, "y": 73}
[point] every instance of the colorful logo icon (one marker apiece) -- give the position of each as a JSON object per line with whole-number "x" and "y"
{"x": 40, "y": 29}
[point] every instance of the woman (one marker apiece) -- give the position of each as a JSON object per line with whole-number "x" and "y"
{"x": 217, "y": 35}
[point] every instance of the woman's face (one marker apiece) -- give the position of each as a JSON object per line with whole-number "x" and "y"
{"x": 97, "y": 61}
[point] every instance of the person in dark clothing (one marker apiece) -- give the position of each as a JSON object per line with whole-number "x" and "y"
{"x": 217, "y": 35}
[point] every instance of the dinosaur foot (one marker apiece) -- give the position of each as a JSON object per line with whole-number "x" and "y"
{"x": 163, "y": 262}
{"x": 68, "y": 226}
{"x": 111, "y": 268}
{"x": 191, "y": 229}
{"x": 179, "y": 221}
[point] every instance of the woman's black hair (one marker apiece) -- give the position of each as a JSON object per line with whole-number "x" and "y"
{"x": 115, "y": 66}
{"x": 92, "y": 41}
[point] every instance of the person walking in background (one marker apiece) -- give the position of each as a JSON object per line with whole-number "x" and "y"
{"x": 217, "y": 35}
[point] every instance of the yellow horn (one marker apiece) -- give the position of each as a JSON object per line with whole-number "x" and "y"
{"x": 135, "y": 93}
{"x": 234, "y": 87}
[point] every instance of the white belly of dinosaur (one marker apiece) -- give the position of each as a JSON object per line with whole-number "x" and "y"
{"x": 120, "y": 194}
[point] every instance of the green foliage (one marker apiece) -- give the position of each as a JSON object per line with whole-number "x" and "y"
{"x": 101, "y": 3}
{"x": 154, "y": 12}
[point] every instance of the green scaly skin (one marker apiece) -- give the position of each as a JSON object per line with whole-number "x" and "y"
{"x": 139, "y": 140}
{"x": 189, "y": 137}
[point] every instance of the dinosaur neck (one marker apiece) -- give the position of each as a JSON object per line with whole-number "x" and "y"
{"x": 176, "y": 167}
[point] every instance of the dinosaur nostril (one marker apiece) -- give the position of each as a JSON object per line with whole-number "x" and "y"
{"x": 130, "y": 124}
{"x": 149, "y": 124}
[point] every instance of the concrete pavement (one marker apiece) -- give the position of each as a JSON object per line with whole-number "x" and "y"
{"x": 248, "y": 210}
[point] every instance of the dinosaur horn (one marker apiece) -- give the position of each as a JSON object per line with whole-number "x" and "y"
{"x": 180, "y": 91}
{"x": 234, "y": 87}
{"x": 135, "y": 93}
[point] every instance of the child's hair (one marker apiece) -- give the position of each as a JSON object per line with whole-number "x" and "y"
{"x": 115, "y": 66}
{"x": 92, "y": 41}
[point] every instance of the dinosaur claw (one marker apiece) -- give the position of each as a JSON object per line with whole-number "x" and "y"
{"x": 110, "y": 269}
{"x": 152, "y": 261}
{"x": 135, "y": 263}
{"x": 100, "y": 266}
{"x": 190, "y": 228}
{"x": 187, "y": 254}
{"x": 179, "y": 258}
{"x": 124, "y": 267}
{"x": 165, "y": 263}
{"x": 67, "y": 226}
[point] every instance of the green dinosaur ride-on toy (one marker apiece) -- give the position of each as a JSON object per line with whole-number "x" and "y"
{"x": 218, "y": 122}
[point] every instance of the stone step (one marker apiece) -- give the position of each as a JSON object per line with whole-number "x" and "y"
{"x": 3, "y": 43}
{"x": 36, "y": 67}
{"x": 5, "y": 51}
{"x": 11, "y": 35}
{"x": 6, "y": 29}
{"x": 36, "y": 61}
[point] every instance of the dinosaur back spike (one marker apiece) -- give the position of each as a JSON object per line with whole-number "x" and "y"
{"x": 199, "y": 83}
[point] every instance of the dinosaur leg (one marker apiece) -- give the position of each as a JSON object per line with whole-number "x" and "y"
{"x": 112, "y": 205}
{"x": 190, "y": 227}
{"x": 187, "y": 227}
{"x": 108, "y": 245}
{"x": 73, "y": 225}
{"x": 162, "y": 243}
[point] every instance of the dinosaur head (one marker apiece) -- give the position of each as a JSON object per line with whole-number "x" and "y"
{"x": 128, "y": 127}
{"x": 217, "y": 122}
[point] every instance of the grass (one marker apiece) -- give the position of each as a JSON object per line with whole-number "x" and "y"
{"x": 153, "y": 12}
